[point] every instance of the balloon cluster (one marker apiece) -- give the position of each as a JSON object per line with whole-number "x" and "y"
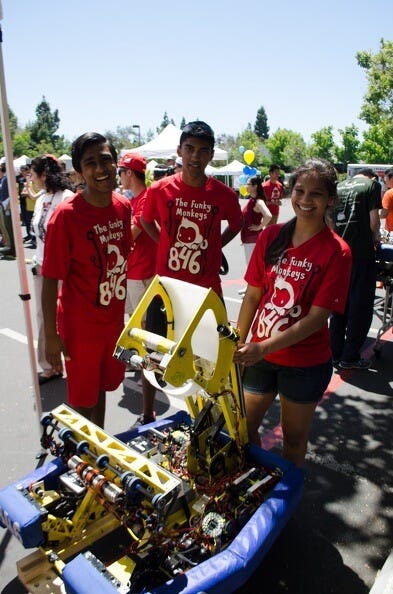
{"x": 248, "y": 171}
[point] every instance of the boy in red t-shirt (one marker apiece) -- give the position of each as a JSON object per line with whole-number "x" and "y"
{"x": 183, "y": 214}
{"x": 87, "y": 243}
{"x": 274, "y": 192}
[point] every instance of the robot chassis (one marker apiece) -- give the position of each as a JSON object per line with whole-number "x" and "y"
{"x": 149, "y": 505}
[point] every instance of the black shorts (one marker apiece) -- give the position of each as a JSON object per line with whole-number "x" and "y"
{"x": 298, "y": 384}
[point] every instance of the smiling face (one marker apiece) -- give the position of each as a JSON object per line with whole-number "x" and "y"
{"x": 196, "y": 154}
{"x": 310, "y": 197}
{"x": 98, "y": 168}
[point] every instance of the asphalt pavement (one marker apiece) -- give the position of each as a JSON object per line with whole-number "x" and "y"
{"x": 340, "y": 537}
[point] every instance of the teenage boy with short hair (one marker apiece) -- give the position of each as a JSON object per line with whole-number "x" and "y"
{"x": 183, "y": 214}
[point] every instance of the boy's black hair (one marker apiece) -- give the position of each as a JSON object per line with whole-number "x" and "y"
{"x": 80, "y": 145}
{"x": 198, "y": 129}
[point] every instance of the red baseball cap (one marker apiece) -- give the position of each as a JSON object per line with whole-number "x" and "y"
{"x": 133, "y": 161}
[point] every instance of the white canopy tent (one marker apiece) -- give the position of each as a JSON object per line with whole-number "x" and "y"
{"x": 67, "y": 160}
{"x": 20, "y": 161}
{"x": 233, "y": 168}
{"x": 165, "y": 144}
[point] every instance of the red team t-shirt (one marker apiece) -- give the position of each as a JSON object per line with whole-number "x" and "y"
{"x": 314, "y": 273}
{"x": 141, "y": 264}
{"x": 274, "y": 191}
{"x": 190, "y": 219}
{"x": 88, "y": 251}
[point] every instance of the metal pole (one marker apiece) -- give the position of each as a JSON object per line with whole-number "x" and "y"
{"x": 24, "y": 294}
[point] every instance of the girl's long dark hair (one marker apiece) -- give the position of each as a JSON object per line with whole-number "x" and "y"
{"x": 328, "y": 176}
{"x": 55, "y": 177}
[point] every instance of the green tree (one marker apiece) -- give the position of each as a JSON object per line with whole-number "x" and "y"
{"x": 21, "y": 143}
{"x": 295, "y": 152}
{"x": 13, "y": 126}
{"x": 123, "y": 137}
{"x": 377, "y": 108}
{"x": 251, "y": 142}
{"x": 376, "y": 147}
{"x": 182, "y": 123}
{"x": 286, "y": 148}
{"x": 261, "y": 128}
{"x": 44, "y": 129}
{"x": 164, "y": 123}
{"x": 322, "y": 144}
{"x": 348, "y": 152}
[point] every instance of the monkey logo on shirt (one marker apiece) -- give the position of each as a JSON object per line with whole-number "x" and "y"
{"x": 279, "y": 311}
{"x": 184, "y": 254}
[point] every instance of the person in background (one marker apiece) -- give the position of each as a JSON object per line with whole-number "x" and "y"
{"x": 183, "y": 213}
{"x": 76, "y": 180}
{"x": 298, "y": 274}
{"x": 49, "y": 179}
{"x": 142, "y": 258}
{"x": 178, "y": 165}
{"x": 386, "y": 212}
{"x": 6, "y": 230}
{"x": 86, "y": 247}
{"x": 356, "y": 220}
{"x": 274, "y": 192}
{"x": 25, "y": 202}
{"x": 256, "y": 215}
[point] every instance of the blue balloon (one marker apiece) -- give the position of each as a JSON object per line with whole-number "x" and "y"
{"x": 241, "y": 149}
{"x": 243, "y": 179}
{"x": 253, "y": 171}
{"x": 246, "y": 170}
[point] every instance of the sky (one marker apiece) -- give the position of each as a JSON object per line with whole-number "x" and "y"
{"x": 106, "y": 64}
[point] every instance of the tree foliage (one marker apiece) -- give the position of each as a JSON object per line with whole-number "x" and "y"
{"x": 43, "y": 131}
{"x": 164, "y": 123}
{"x": 123, "y": 137}
{"x": 322, "y": 144}
{"x": 261, "y": 129}
{"x": 348, "y": 152}
{"x": 287, "y": 148}
{"x": 377, "y": 146}
{"x": 377, "y": 108}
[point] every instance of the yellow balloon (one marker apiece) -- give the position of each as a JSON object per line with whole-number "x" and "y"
{"x": 249, "y": 156}
{"x": 243, "y": 190}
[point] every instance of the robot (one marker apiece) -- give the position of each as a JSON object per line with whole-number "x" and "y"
{"x": 183, "y": 504}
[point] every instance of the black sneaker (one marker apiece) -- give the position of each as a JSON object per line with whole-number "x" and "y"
{"x": 360, "y": 364}
{"x": 143, "y": 420}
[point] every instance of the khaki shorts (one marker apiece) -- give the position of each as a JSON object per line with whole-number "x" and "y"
{"x": 135, "y": 291}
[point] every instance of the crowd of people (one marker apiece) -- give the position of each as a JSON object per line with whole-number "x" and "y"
{"x": 100, "y": 235}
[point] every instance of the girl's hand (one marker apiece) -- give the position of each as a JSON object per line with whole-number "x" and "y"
{"x": 249, "y": 353}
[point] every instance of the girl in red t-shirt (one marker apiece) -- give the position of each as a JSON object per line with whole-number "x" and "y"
{"x": 298, "y": 273}
{"x": 256, "y": 216}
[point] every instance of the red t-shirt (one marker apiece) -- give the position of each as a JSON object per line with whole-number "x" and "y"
{"x": 316, "y": 272}
{"x": 190, "y": 218}
{"x": 87, "y": 247}
{"x": 141, "y": 262}
{"x": 274, "y": 191}
{"x": 250, "y": 217}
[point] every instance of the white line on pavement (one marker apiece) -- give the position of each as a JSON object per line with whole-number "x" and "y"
{"x": 15, "y": 336}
